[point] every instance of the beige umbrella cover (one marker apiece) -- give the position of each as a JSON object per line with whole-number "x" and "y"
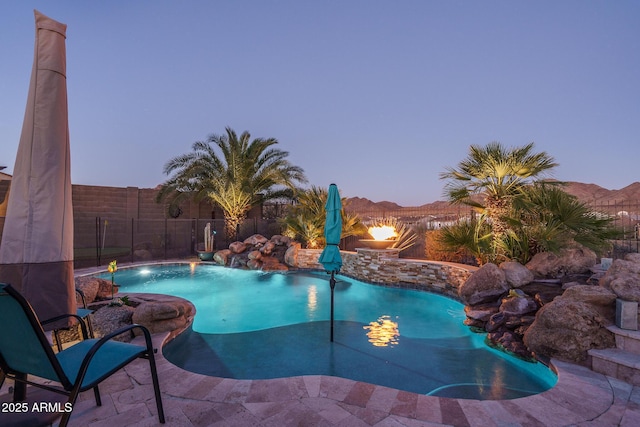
{"x": 36, "y": 252}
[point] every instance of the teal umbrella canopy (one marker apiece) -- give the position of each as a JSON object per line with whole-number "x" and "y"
{"x": 330, "y": 257}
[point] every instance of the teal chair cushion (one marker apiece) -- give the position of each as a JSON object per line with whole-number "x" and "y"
{"x": 112, "y": 356}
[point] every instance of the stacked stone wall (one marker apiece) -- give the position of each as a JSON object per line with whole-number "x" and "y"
{"x": 386, "y": 268}
{"x": 308, "y": 259}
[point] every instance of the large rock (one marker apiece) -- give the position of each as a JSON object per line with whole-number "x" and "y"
{"x": 291, "y": 255}
{"x": 89, "y": 287}
{"x": 516, "y": 274}
{"x": 518, "y": 305}
{"x": 575, "y": 260}
{"x": 511, "y": 342}
{"x": 623, "y": 278}
{"x": 222, "y": 257}
{"x": 237, "y": 247}
{"x": 601, "y": 299}
{"x": 280, "y": 240}
{"x": 270, "y": 263}
{"x": 633, "y": 257}
{"x": 567, "y": 329}
{"x": 481, "y": 312}
{"x": 163, "y": 316}
{"x": 621, "y": 270}
{"x": 268, "y": 248}
{"x": 254, "y": 264}
{"x": 543, "y": 292}
{"x": 486, "y": 284}
{"x": 95, "y": 288}
{"x": 256, "y": 240}
{"x": 110, "y": 318}
{"x": 626, "y": 288}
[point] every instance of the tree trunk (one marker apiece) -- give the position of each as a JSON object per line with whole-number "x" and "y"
{"x": 499, "y": 209}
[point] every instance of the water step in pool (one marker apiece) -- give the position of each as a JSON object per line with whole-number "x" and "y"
{"x": 622, "y": 362}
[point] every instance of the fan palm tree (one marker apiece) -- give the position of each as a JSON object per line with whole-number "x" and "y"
{"x": 544, "y": 219}
{"x": 498, "y": 175}
{"x": 306, "y": 219}
{"x": 233, "y": 172}
{"x": 553, "y": 218}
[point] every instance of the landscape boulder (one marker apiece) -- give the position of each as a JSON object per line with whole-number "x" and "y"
{"x": 95, "y": 288}
{"x": 255, "y": 240}
{"x": 481, "y": 312}
{"x": 291, "y": 255}
{"x": 268, "y": 248}
{"x": 486, "y": 284}
{"x": 569, "y": 261}
{"x": 89, "y": 287}
{"x": 163, "y": 316}
{"x": 237, "y": 247}
{"x": 600, "y": 299}
{"x": 111, "y": 318}
{"x": 623, "y": 278}
{"x": 516, "y": 274}
{"x": 518, "y": 305}
{"x": 280, "y": 240}
{"x": 222, "y": 257}
{"x": 566, "y": 329}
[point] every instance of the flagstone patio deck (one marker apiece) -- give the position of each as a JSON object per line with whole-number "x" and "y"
{"x": 581, "y": 398}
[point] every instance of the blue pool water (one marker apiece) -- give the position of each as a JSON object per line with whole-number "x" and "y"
{"x": 256, "y": 325}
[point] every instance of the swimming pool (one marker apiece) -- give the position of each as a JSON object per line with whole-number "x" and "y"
{"x": 256, "y": 325}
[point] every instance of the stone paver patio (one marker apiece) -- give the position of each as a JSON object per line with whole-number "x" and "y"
{"x": 580, "y": 398}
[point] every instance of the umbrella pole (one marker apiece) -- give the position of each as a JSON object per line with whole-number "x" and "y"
{"x": 332, "y": 284}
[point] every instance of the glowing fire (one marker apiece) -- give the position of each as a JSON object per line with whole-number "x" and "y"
{"x": 384, "y": 232}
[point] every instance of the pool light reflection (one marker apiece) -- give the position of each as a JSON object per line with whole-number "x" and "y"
{"x": 312, "y": 300}
{"x": 383, "y": 332}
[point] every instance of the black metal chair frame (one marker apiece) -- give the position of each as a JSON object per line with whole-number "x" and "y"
{"x": 85, "y": 319}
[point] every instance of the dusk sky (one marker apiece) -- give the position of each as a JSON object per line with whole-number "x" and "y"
{"x": 377, "y": 96}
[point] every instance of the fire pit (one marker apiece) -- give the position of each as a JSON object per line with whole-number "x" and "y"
{"x": 383, "y": 237}
{"x": 378, "y": 244}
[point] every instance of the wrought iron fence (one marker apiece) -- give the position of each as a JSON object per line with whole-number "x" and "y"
{"x": 97, "y": 241}
{"x": 107, "y": 239}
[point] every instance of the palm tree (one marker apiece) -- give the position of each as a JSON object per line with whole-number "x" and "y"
{"x": 552, "y": 218}
{"x": 233, "y": 172}
{"x": 544, "y": 219}
{"x": 306, "y": 219}
{"x": 498, "y": 175}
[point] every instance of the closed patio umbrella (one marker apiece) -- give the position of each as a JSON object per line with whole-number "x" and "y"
{"x": 330, "y": 257}
{"x": 36, "y": 252}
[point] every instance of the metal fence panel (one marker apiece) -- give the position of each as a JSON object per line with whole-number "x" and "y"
{"x": 97, "y": 241}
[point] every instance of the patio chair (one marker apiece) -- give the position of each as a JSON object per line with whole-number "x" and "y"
{"x": 25, "y": 350}
{"x": 81, "y": 311}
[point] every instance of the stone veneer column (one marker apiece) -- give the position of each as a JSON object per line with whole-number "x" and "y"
{"x": 369, "y": 263}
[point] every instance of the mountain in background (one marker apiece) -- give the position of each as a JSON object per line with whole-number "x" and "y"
{"x": 586, "y": 193}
